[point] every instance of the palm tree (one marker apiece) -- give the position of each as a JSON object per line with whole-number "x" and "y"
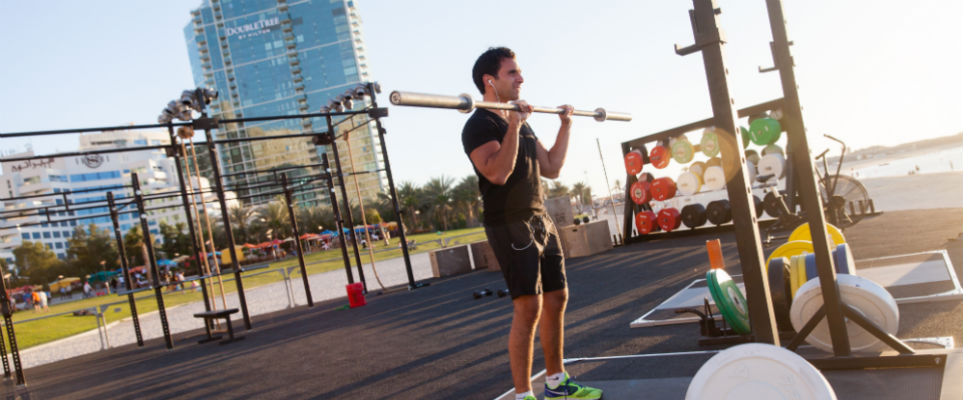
{"x": 578, "y": 188}
{"x": 274, "y": 216}
{"x": 241, "y": 218}
{"x": 467, "y": 197}
{"x": 409, "y": 199}
{"x": 557, "y": 189}
{"x": 438, "y": 196}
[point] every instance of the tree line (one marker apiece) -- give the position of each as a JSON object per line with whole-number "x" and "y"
{"x": 442, "y": 203}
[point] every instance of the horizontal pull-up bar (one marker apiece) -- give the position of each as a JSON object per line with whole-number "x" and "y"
{"x": 466, "y": 103}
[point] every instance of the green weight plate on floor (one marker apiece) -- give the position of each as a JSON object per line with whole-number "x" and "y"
{"x": 710, "y": 142}
{"x": 729, "y": 300}
{"x": 682, "y": 150}
{"x": 764, "y": 131}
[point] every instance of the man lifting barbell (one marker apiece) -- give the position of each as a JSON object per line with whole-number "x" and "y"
{"x": 509, "y": 161}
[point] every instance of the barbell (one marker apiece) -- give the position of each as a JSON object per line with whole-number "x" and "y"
{"x": 465, "y": 103}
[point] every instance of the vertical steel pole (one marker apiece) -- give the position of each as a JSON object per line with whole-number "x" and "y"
{"x": 710, "y": 39}
{"x": 339, "y": 224}
{"x": 802, "y": 167}
{"x": 347, "y": 204}
{"x": 125, "y": 267}
{"x": 3, "y": 354}
{"x": 8, "y": 322}
{"x": 216, "y": 166}
{"x": 297, "y": 238}
{"x": 149, "y": 243}
{"x": 175, "y": 152}
{"x": 393, "y": 192}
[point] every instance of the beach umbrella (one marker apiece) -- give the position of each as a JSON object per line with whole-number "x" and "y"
{"x": 100, "y": 276}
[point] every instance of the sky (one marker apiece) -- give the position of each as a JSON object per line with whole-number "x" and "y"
{"x": 879, "y": 73}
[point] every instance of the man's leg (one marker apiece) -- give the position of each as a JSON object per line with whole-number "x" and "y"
{"x": 521, "y": 340}
{"x": 552, "y": 329}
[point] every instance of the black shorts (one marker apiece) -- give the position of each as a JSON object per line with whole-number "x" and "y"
{"x": 529, "y": 253}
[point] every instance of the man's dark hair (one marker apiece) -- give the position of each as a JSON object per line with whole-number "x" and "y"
{"x": 488, "y": 63}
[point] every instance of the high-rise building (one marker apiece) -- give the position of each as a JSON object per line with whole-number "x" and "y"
{"x": 29, "y": 186}
{"x": 279, "y": 57}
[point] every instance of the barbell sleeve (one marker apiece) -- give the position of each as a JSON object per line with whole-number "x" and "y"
{"x": 465, "y": 103}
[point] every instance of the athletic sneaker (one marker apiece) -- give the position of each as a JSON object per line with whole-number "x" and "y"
{"x": 569, "y": 389}
{"x": 530, "y": 398}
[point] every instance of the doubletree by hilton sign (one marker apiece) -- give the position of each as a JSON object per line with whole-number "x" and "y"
{"x": 254, "y": 28}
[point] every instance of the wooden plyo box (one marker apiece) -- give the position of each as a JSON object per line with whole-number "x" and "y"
{"x": 585, "y": 239}
{"x": 450, "y": 261}
{"x": 484, "y": 257}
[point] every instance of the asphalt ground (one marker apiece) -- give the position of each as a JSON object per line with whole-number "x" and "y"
{"x": 439, "y": 342}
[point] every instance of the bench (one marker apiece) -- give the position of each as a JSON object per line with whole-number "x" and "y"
{"x": 210, "y": 316}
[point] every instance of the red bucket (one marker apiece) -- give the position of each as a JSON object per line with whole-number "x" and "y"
{"x": 355, "y": 294}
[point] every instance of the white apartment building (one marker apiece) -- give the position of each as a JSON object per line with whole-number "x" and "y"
{"x": 87, "y": 178}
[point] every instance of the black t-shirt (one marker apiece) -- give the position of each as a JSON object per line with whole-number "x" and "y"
{"x": 521, "y": 196}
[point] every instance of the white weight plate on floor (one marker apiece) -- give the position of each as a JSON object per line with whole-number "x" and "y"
{"x": 714, "y": 178}
{"x": 772, "y": 164}
{"x": 688, "y": 183}
{"x": 758, "y": 371}
{"x": 871, "y": 299}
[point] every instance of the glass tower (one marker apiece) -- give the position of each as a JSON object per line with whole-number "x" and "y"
{"x": 279, "y": 57}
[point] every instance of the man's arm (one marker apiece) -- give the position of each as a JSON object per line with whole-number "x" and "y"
{"x": 496, "y": 160}
{"x": 550, "y": 161}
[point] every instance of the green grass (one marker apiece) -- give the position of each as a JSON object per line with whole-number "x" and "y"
{"x": 45, "y": 330}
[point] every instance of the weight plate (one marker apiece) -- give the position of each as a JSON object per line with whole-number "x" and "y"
{"x": 729, "y": 300}
{"x": 714, "y": 178}
{"x": 757, "y": 202}
{"x": 771, "y": 205}
{"x": 662, "y": 189}
{"x": 771, "y": 164}
{"x": 718, "y": 212}
{"x": 745, "y": 136}
{"x": 714, "y": 162}
{"x": 645, "y": 222}
{"x": 668, "y": 219}
{"x": 710, "y": 142}
{"x": 698, "y": 168}
{"x": 752, "y": 156}
{"x": 633, "y": 162}
{"x": 640, "y": 192}
{"x": 843, "y": 258}
{"x": 797, "y": 271}
{"x": 764, "y": 131}
{"x": 790, "y": 249}
{"x": 688, "y": 183}
{"x": 871, "y": 299}
{"x": 659, "y": 156}
{"x": 693, "y": 215}
{"x": 773, "y": 149}
{"x": 751, "y": 171}
{"x": 682, "y": 151}
{"x": 646, "y": 177}
{"x": 802, "y": 233}
{"x": 779, "y": 289}
{"x": 758, "y": 371}
{"x": 812, "y": 272}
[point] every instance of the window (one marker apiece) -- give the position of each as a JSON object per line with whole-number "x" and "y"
{"x": 59, "y": 245}
{"x": 66, "y": 234}
{"x": 36, "y": 235}
{"x": 25, "y": 236}
{"x": 56, "y": 234}
{"x": 46, "y": 235}
{"x": 49, "y": 246}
